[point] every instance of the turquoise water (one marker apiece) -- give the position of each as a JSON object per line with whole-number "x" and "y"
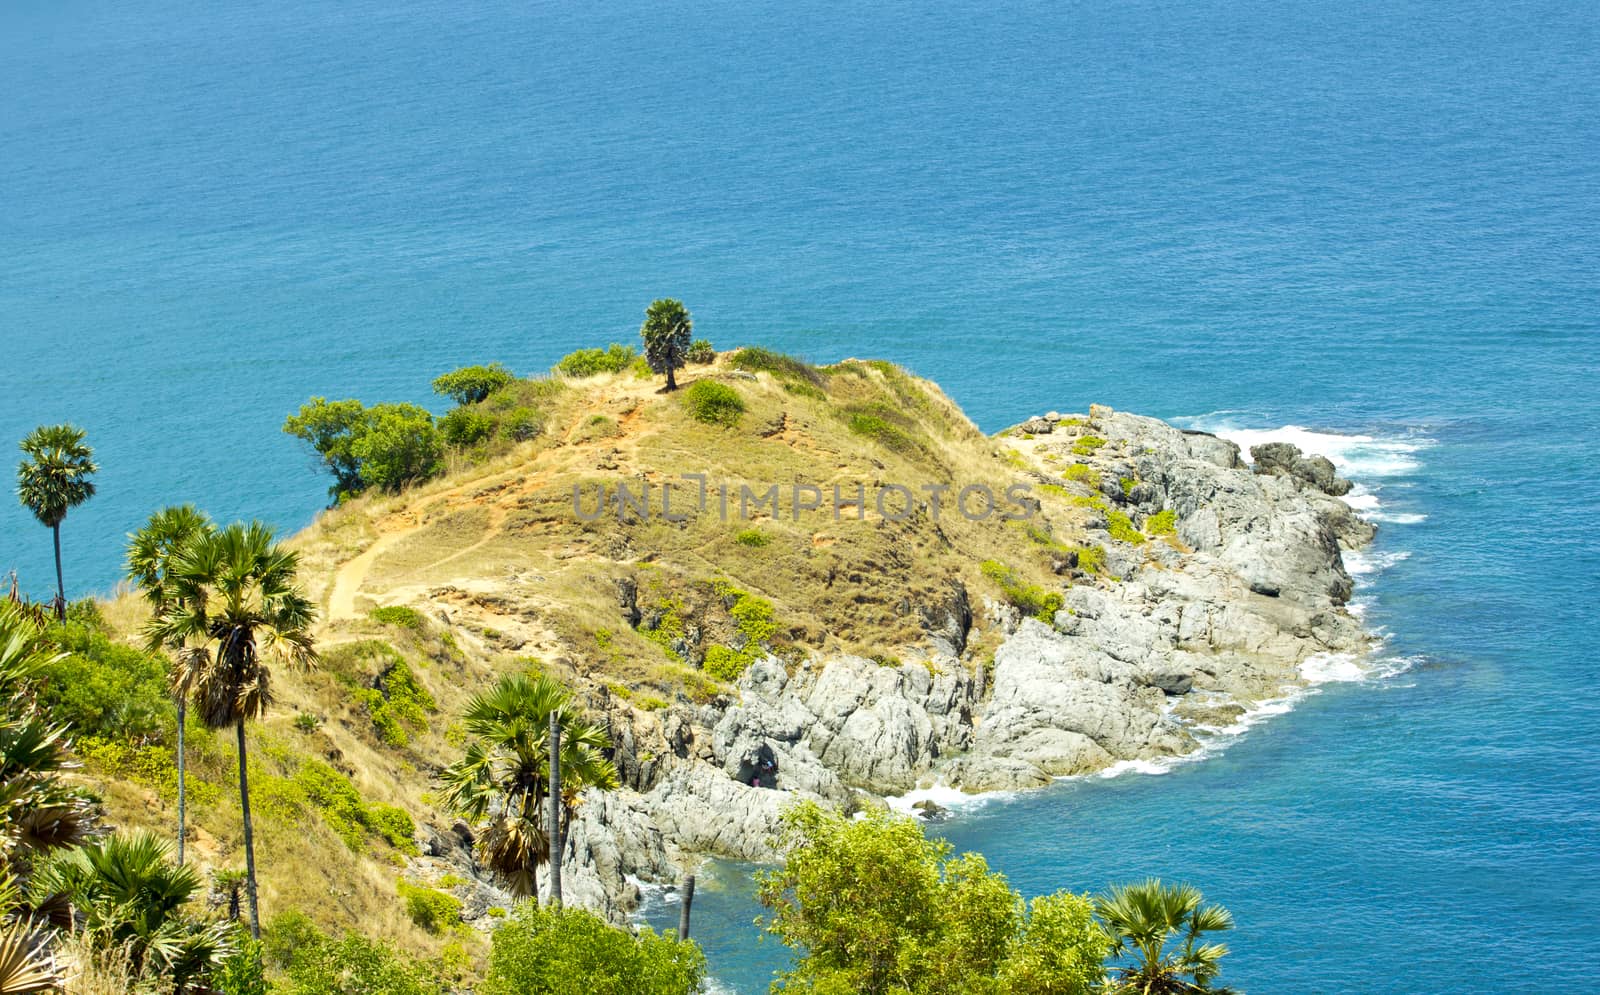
{"x": 1359, "y": 218}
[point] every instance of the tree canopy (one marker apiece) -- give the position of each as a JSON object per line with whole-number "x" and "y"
{"x": 386, "y": 446}
{"x": 667, "y": 332}
{"x": 472, "y": 384}
{"x": 564, "y": 951}
{"x": 871, "y": 905}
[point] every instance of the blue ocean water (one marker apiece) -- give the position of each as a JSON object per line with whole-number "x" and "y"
{"x": 1359, "y": 218}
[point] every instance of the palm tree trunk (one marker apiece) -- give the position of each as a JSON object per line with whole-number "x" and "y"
{"x": 61, "y": 588}
{"x": 672, "y": 383}
{"x": 183, "y": 708}
{"x": 249, "y": 838}
{"x": 554, "y": 831}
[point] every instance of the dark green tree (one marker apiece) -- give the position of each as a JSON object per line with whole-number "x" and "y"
{"x": 331, "y": 429}
{"x": 151, "y": 553}
{"x": 234, "y": 593}
{"x": 53, "y": 479}
{"x": 565, "y": 951}
{"x": 667, "y": 332}
{"x": 472, "y": 384}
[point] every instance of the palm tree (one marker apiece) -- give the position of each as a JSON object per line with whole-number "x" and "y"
{"x": 151, "y": 552}
{"x": 234, "y": 593}
{"x": 54, "y": 479}
{"x": 1142, "y": 918}
{"x": 131, "y": 898}
{"x": 503, "y": 776}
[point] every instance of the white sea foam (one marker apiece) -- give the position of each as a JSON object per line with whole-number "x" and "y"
{"x": 1363, "y": 456}
{"x": 1361, "y": 563}
{"x": 943, "y": 796}
{"x": 1322, "y": 668}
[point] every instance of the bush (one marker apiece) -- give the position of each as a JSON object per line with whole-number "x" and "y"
{"x": 522, "y": 424}
{"x": 400, "y": 615}
{"x": 464, "y": 427}
{"x": 567, "y": 951}
{"x": 1087, "y": 444}
{"x": 433, "y": 910}
{"x": 752, "y": 537}
{"x": 399, "y": 705}
{"x": 753, "y": 359}
{"x": 753, "y": 620}
{"x": 1121, "y": 527}
{"x": 1162, "y": 523}
{"x": 106, "y": 689}
{"x": 1083, "y": 475}
{"x": 352, "y": 819}
{"x": 883, "y": 424}
{"x": 700, "y": 351}
{"x": 315, "y": 964}
{"x": 1030, "y": 599}
{"x": 713, "y": 403}
{"x": 592, "y": 362}
{"x": 471, "y": 384}
{"x": 1091, "y": 559}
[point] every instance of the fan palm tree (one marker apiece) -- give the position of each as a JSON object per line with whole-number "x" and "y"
{"x": 131, "y": 898}
{"x": 53, "y": 480}
{"x": 502, "y": 778}
{"x": 151, "y": 552}
{"x": 234, "y": 593}
{"x": 25, "y": 967}
{"x": 1142, "y": 918}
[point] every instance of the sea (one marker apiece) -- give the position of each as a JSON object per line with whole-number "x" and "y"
{"x": 1369, "y": 227}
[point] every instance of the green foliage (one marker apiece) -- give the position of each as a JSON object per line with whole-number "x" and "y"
{"x": 386, "y": 446}
{"x": 592, "y": 362}
{"x": 54, "y": 477}
{"x": 752, "y": 537}
{"x": 1127, "y": 484}
{"x": 664, "y": 626}
{"x": 713, "y": 403}
{"x": 242, "y": 973}
{"x": 472, "y": 384}
{"x": 399, "y": 705}
{"x": 1087, "y": 444}
{"x": 753, "y": 621}
{"x": 1121, "y": 527}
{"x": 1083, "y": 474}
{"x": 463, "y": 428}
{"x": 1157, "y": 928}
{"x": 1162, "y": 523}
{"x": 152, "y": 765}
{"x": 400, "y": 615}
{"x": 666, "y": 331}
{"x": 871, "y": 905}
{"x": 106, "y": 689}
{"x": 343, "y": 809}
{"x": 1091, "y": 559}
{"x": 884, "y": 424}
{"x": 566, "y": 951}
{"x": 434, "y": 911}
{"x": 1030, "y": 599}
{"x": 701, "y": 351}
{"x": 754, "y": 359}
{"x": 313, "y": 963}
{"x": 306, "y": 722}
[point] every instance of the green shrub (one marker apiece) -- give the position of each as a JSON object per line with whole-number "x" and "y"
{"x": 313, "y": 963}
{"x": 883, "y": 424}
{"x": 465, "y": 427}
{"x": 1087, "y": 444}
{"x": 754, "y": 359}
{"x": 472, "y": 384}
{"x": 242, "y": 972}
{"x": 350, "y": 818}
{"x": 725, "y": 664}
{"x": 399, "y": 706}
{"x": 1162, "y": 523}
{"x": 713, "y": 403}
{"x": 569, "y": 951}
{"x": 1091, "y": 559}
{"x": 398, "y": 446}
{"x": 1121, "y": 527}
{"x": 753, "y": 619}
{"x": 399, "y": 615}
{"x": 306, "y": 722}
{"x": 433, "y": 910}
{"x": 106, "y": 689}
{"x": 752, "y": 537}
{"x": 1030, "y": 599}
{"x": 522, "y": 424}
{"x": 1083, "y": 474}
{"x": 1127, "y": 484}
{"x": 802, "y": 389}
{"x": 395, "y": 825}
{"x": 700, "y": 351}
{"x": 592, "y": 362}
